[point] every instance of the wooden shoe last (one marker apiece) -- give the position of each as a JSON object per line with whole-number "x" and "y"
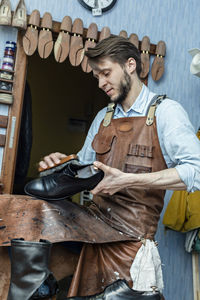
{"x": 123, "y": 33}
{"x": 45, "y": 42}
{"x": 133, "y": 38}
{"x": 20, "y": 17}
{"x": 90, "y": 43}
{"x": 62, "y": 44}
{"x": 105, "y": 32}
{"x": 30, "y": 39}
{"x": 76, "y": 53}
{"x": 145, "y": 48}
{"x": 157, "y": 69}
{"x": 5, "y": 12}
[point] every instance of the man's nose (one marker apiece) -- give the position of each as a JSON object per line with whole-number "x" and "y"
{"x": 102, "y": 82}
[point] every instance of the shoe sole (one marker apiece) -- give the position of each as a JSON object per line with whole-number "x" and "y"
{"x": 48, "y": 199}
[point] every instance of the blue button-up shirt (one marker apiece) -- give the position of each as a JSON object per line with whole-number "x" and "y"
{"x": 179, "y": 144}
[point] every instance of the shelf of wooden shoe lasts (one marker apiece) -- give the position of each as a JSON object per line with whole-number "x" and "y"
{"x": 6, "y": 80}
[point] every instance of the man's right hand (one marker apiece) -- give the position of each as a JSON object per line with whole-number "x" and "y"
{"x": 50, "y": 160}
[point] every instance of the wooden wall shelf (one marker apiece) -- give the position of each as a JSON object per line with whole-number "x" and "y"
{"x": 6, "y": 80}
{"x": 9, "y": 71}
{"x": 6, "y": 92}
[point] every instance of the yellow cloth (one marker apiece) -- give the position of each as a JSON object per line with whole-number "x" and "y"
{"x": 183, "y": 210}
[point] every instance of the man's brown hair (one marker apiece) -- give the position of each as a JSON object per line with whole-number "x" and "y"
{"x": 118, "y": 49}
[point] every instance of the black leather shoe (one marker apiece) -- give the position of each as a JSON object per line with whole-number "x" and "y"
{"x": 119, "y": 290}
{"x": 72, "y": 179}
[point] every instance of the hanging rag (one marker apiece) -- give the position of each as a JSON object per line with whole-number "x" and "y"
{"x": 147, "y": 261}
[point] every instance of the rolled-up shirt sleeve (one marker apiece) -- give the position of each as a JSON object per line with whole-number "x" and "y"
{"x": 179, "y": 143}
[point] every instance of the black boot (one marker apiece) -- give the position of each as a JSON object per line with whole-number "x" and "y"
{"x": 119, "y": 290}
{"x": 30, "y": 276}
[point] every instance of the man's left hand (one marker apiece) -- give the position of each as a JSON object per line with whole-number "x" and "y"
{"x": 112, "y": 181}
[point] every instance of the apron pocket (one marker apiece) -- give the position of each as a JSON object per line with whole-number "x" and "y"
{"x": 102, "y": 145}
{"x": 140, "y": 150}
{"x": 139, "y": 159}
{"x": 129, "y": 168}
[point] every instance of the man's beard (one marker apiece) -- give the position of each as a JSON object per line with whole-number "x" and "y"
{"x": 124, "y": 88}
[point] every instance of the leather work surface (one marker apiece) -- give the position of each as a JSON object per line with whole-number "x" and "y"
{"x": 25, "y": 217}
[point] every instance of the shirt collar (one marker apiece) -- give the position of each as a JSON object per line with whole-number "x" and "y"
{"x": 139, "y": 105}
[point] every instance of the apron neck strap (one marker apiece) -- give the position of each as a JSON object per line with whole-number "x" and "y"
{"x": 156, "y": 100}
{"x": 109, "y": 114}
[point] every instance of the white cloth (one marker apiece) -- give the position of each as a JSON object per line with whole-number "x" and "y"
{"x": 146, "y": 271}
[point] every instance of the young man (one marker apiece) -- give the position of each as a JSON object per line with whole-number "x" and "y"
{"x": 141, "y": 157}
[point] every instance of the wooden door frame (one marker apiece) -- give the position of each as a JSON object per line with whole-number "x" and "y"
{"x": 14, "y": 119}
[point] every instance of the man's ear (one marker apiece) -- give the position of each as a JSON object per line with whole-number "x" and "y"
{"x": 131, "y": 65}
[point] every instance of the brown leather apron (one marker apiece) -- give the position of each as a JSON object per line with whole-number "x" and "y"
{"x": 132, "y": 146}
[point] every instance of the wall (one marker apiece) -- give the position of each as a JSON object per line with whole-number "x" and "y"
{"x": 177, "y": 23}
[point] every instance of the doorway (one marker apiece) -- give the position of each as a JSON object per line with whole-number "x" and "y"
{"x": 64, "y": 101}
